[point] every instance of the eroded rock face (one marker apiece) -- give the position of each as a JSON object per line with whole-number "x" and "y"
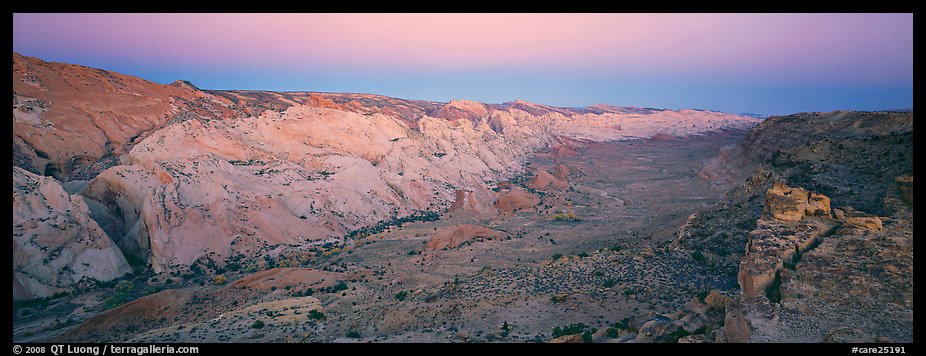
{"x": 56, "y": 244}
{"x": 771, "y": 245}
{"x": 792, "y": 204}
{"x": 210, "y": 174}
{"x": 778, "y": 240}
{"x": 480, "y": 202}
{"x": 856, "y": 286}
{"x": 736, "y": 328}
{"x": 66, "y": 118}
{"x": 214, "y": 189}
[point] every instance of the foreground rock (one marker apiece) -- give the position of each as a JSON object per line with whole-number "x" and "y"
{"x": 56, "y": 245}
{"x": 792, "y": 204}
{"x": 781, "y": 239}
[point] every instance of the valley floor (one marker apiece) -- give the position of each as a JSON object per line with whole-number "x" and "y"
{"x": 628, "y": 197}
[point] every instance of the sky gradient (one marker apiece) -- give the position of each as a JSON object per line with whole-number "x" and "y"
{"x": 755, "y": 63}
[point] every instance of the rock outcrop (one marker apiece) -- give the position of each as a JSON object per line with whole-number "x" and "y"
{"x": 137, "y": 314}
{"x": 480, "y": 202}
{"x": 454, "y": 236}
{"x": 516, "y": 199}
{"x": 807, "y": 270}
{"x": 779, "y": 240}
{"x": 289, "y": 278}
{"x": 544, "y": 179}
{"x": 56, "y": 245}
{"x": 792, "y": 204}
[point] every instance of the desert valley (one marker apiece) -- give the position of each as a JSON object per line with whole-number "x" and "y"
{"x": 145, "y": 212}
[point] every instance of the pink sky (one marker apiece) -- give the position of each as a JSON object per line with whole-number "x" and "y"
{"x": 869, "y": 49}
{"x": 668, "y": 42}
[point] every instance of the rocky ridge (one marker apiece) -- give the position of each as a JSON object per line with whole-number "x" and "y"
{"x": 56, "y": 245}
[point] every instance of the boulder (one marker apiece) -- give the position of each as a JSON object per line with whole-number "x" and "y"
{"x": 850, "y": 216}
{"x": 736, "y": 327}
{"x": 818, "y": 205}
{"x": 868, "y": 222}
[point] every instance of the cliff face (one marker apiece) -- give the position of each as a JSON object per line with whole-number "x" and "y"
{"x": 178, "y": 174}
{"x": 56, "y": 244}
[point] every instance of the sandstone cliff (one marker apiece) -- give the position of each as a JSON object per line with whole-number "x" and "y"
{"x": 179, "y": 174}
{"x": 56, "y": 244}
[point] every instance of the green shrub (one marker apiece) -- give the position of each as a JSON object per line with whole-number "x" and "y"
{"x": 401, "y": 296}
{"x": 257, "y": 325}
{"x": 624, "y": 324}
{"x": 613, "y": 332}
{"x": 571, "y": 329}
{"x": 608, "y": 283}
{"x": 616, "y": 248}
{"x": 557, "y": 256}
{"x": 587, "y": 335}
{"x": 122, "y": 294}
{"x": 220, "y": 279}
{"x": 317, "y": 315}
{"x": 699, "y": 257}
{"x": 353, "y": 334}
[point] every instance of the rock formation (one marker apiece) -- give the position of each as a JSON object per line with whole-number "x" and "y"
{"x": 477, "y": 201}
{"x": 807, "y": 271}
{"x": 777, "y": 241}
{"x": 56, "y": 245}
{"x": 516, "y": 199}
{"x": 454, "y": 236}
{"x": 544, "y": 179}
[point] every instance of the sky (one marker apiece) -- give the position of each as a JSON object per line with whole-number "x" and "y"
{"x": 740, "y": 63}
